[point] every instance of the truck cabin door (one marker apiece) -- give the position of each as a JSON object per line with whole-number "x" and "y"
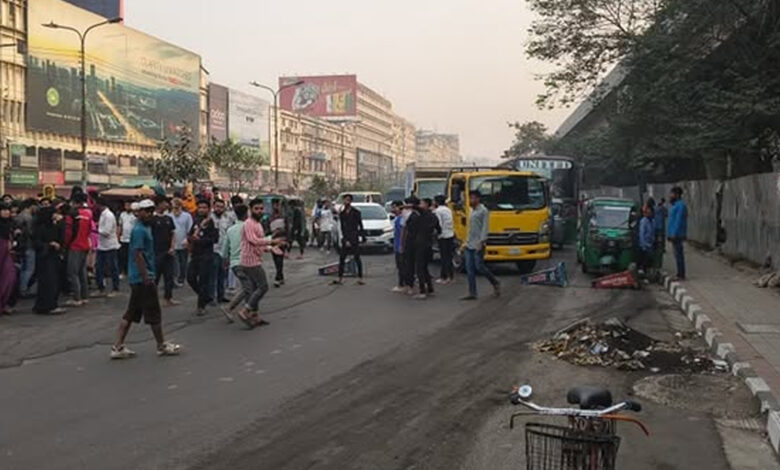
{"x": 460, "y": 206}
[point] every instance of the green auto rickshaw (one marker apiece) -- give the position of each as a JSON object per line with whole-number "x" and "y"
{"x": 607, "y": 235}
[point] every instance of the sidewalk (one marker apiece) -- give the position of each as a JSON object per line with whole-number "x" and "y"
{"x": 740, "y": 321}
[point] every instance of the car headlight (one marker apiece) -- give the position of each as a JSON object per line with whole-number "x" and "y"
{"x": 387, "y": 229}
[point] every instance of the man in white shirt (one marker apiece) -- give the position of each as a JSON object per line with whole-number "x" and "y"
{"x": 446, "y": 240}
{"x": 107, "y": 249}
{"x": 126, "y": 222}
{"x": 182, "y": 220}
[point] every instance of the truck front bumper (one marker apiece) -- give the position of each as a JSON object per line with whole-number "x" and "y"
{"x": 494, "y": 253}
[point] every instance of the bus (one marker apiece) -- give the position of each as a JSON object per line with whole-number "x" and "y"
{"x": 564, "y": 176}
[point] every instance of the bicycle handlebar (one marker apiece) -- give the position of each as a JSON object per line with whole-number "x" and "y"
{"x": 628, "y": 405}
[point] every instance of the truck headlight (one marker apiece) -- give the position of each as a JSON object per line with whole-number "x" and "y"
{"x": 544, "y": 232}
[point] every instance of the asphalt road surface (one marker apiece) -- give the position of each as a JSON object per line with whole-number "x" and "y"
{"x": 344, "y": 378}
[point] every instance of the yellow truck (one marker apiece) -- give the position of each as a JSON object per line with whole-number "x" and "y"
{"x": 519, "y": 206}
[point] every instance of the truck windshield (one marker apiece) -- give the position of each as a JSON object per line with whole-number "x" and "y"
{"x": 510, "y": 193}
{"x": 372, "y": 212}
{"x": 431, "y": 188}
{"x": 611, "y": 217}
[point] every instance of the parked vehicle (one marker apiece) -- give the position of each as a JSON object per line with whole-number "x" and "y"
{"x": 519, "y": 226}
{"x": 362, "y": 196}
{"x": 377, "y": 225}
{"x": 607, "y": 235}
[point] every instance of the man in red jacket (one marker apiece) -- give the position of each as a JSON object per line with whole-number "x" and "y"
{"x": 78, "y": 249}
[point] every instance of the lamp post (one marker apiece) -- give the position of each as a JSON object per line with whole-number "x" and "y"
{"x": 82, "y": 38}
{"x": 275, "y": 93}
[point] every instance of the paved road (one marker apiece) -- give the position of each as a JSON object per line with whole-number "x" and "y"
{"x": 344, "y": 378}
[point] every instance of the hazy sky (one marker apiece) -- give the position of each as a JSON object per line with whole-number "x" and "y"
{"x": 448, "y": 65}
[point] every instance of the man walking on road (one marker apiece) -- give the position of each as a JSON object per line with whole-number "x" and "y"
{"x": 77, "y": 242}
{"x": 231, "y": 255}
{"x": 677, "y": 229}
{"x": 398, "y": 229}
{"x": 222, "y": 221}
{"x": 254, "y": 281}
{"x": 107, "y": 249}
{"x": 163, "y": 230}
{"x": 410, "y": 222}
{"x": 474, "y": 253}
{"x": 427, "y": 231}
{"x": 143, "y": 292}
{"x": 126, "y": 222}
{"x": 352, "y": 233}
{"x": 203, "y": 236}
{"x": 446, "y": 240}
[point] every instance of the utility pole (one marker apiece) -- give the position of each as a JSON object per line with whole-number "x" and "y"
{"x": 83, "y": 41}
{"x": 275, "y": 94}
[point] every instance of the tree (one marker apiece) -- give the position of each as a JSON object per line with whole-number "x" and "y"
{"x": 180, "y": 160}
{"x": 530, "y": 137}
{"x": 239, "y": 162}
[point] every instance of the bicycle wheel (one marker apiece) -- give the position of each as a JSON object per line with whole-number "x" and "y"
{"x": 549, "y": 447}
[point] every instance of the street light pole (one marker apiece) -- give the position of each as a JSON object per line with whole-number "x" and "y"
{"x": 83, "y": 41}
{"x": 275, "y": 94}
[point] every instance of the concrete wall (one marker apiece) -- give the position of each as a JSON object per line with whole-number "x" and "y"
{"x": 749, "y": 214}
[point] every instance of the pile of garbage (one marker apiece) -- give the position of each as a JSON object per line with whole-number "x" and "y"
{"x": 771, "y": 280}
{"x": 613, "y": 344}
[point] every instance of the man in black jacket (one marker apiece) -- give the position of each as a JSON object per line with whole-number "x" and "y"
{"x": 426, "y": 232}
{"x": 352, "y": 233}
{"x": 203, "y": 236}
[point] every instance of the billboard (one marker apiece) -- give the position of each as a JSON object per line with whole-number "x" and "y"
{"x": 104, "y": 8}
{"x": 247, "y": 119}
{"x": 332, "y": 97}
{"x": 139, "y": 89}
{"x": 218, "y": 112}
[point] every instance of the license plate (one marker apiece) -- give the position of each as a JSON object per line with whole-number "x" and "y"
{"x": 515, "y": 251}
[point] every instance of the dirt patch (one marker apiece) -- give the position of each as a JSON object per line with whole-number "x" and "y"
{"x": 722, "y": 395}
{"x": 613, "y": 344}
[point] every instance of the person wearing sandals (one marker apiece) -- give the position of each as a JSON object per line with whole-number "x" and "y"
{"x": 144, "y": 302}
{"x": 254, "y": 281}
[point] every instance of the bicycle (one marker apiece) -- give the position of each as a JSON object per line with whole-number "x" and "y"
{"x": 588, "y": 442}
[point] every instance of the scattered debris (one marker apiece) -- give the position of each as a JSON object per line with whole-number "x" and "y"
{"x": 769, "y": 280}
{"x": 613, "y": 344}
{"x": 622, "y": 280}
{"x": 555, "y": 276}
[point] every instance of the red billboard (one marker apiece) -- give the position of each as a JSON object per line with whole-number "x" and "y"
{"x": 332, "y": 97}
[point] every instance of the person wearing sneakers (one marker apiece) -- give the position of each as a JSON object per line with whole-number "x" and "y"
{"x": 474, "y": 253}
{"x": 446, "y": 240}
{"x": 107, "y": 249}
{"x": 144, "y": 302}
{"x": 253, "y": 278}
{"x": 231, "y": 254}
{"x": 78, "y": 244}
{"x": 398, "y": 226}
{"x": 352, "y": 233}
{"x": 163, "y": 230}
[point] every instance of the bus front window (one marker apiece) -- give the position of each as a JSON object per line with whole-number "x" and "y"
{"x": 510, "y": 193}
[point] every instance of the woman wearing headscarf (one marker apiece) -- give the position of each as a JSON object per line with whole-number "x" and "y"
{"x": 48, "y": 234}
{"x": 7, "y": 268}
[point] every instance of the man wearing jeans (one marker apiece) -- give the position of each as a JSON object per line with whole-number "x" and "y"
{"x": 182, "y": 220}
{"x": 677, "y": 229}
{"x": 78, "y": 249}
{"x": 474, "y": 252}
{"x": 107, "y": 249}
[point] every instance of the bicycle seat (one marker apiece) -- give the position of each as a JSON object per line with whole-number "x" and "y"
{"x": 590, "y": 398}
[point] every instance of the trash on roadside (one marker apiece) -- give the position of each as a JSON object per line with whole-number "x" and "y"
{"x": 720, "y": 365}
{"x": 769, "y": 280}
{"x": 614, "y": 344}
{"x": 622, "y": 280}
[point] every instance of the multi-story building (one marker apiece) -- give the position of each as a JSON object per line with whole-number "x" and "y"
{"x": 127, "y": 116}
{"x": 311, "y": 146}
{"x": 437, "y": 149}
{"x": 384, "y": 141}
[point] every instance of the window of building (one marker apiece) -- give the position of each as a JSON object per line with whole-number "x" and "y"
{"x": 98, "y": 166}
{"x": 50, "y": 159}
{"x": 12, "y": 15}
{"x": 143, "y": 168}
{"x": 72, "y": 155}
{"x": 113, "y": 160}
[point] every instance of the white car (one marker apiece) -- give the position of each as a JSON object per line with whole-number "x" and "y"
{"x": 377, "y": 225}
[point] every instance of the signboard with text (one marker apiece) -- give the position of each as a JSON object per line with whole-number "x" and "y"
{"x": 104, "y": 8}
{"x": 332, "y": 97}
{"x": 218, "y": 112}
{"x": 139, "y": 89}
{"x": 247, "y": 119}
{"x": 23, "y": 178}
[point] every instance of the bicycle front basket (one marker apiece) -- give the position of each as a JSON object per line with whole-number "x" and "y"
{"x": 549, "y": 447}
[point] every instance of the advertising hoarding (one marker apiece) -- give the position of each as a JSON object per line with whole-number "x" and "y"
{"x": 139, "y": 89}
{"x": 332, "y": 97}
{"x": 247, "y": 119}
{"x": 104, "y": 8}
{"x": 218, "y": 112}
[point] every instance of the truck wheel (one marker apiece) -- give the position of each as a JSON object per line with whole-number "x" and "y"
{"x": 526, "y": 267}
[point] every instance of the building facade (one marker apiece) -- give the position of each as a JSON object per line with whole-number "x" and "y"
{"x": 310, "y": 146}
{"x": 437, "y": 149}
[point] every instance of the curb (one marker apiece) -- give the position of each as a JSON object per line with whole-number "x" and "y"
{"x": 725, "y": 351}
